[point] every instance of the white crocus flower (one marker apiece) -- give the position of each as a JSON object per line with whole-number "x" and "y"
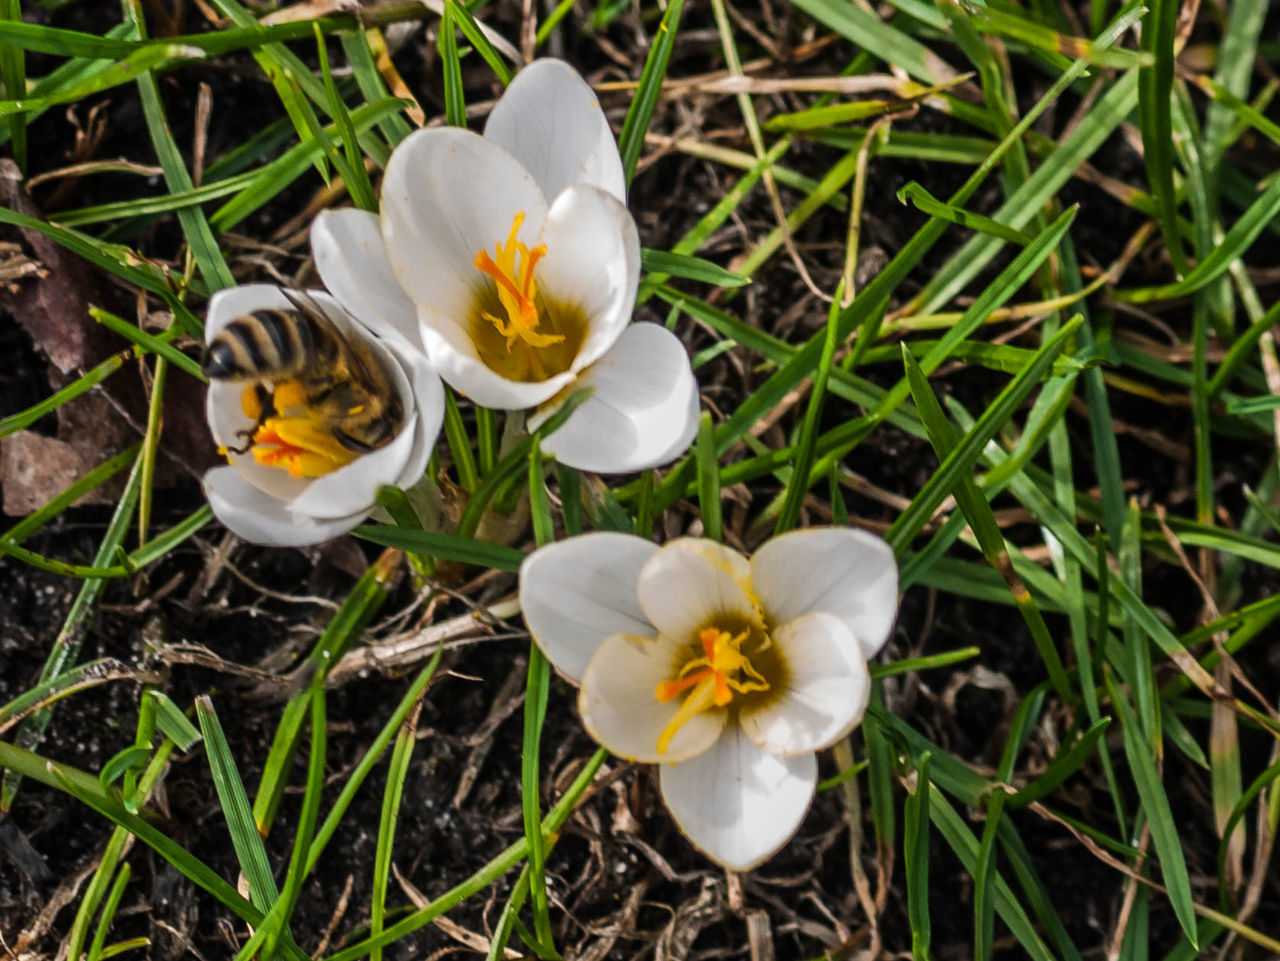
{"x": 517, "y": 265}
{"x": 296, "y": 485}
{"x": 730, "y": 673}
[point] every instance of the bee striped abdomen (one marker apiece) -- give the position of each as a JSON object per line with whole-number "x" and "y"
{"x": 270, "y": 344}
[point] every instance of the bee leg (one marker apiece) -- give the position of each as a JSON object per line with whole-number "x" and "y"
{"x": 247, "y": 437}
{"x": 351, "y": 443}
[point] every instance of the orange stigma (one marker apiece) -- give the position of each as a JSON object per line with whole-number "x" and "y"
{"x": 517, "y": 289}
{"x": 714, "y": 679}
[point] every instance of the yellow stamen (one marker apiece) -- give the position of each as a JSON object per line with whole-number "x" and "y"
{"x": 517, "y": 289}
{"x": 715, "y": 678}
{"x": 295, "y": 439}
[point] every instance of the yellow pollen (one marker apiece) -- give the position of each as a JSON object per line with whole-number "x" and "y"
{"x": 714, "y": 679}
{"x": 517, "y": 290}
{"x": 296, "y": 439}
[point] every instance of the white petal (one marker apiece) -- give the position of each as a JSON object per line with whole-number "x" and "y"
{"x": 578, "y": 591}
{"x": 619, "y": 707}
{"x": 454, "y": 356}
{"x": 258, "y": 517}
{"x": 447, "y": 195}
{"x": 593, "y": 261}
{"x": 225, "y": 415}
{"x": 824, "y": 693}
{"x": 843, "y": 571}
{"x": 643, "y": 410}
{"x": 351, "y": 258}
{"x": 691, "y": 581}
{"x": 428, "y": 402}
{"x": 551, "y": 120}
{"x": 738, "y": 804}
{"x": 226, "y": 305}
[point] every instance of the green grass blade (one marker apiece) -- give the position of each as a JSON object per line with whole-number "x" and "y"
{"x": 476, "y": 37}
{"x": 13, "y": 70}
{"x": 235, "y": 808}
{"x": 789, "y": 516}
{"x": 1155, "y": 101}
{"x": 922, "y": 200}
{"x": 689, "y": 268}
{"x": 1236, "y": 242}
{"x": 915, "y": 819}
{"x": 886, "y": 42}
{"x": 709, "y": 505}
{"x": 392, "y": 794}
{"x": 538, "y": 687}
{"x": 125, "y": 71}
{"x": 455, "y": 104}
{"x": 645, "y": 99}
{"x": 371, "y": 756}
{"x": 1164, "y": 829}
{"x": 204, "y": 248}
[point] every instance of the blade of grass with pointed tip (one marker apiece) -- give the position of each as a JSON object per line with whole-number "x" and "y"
{"x": 354, "y": 173}
{"x": 1238, "y": 240}
{"x": 922, "y": 200}
{"x": 245, "y": 838}
{"x": 475, "y": 36}
{"x": 915, "y": 860}
{"x": 1043, "y": 184}
{"x": 84, "y": 788}
{"x": 689, "y": 268}
{"x": 649, "y": 89}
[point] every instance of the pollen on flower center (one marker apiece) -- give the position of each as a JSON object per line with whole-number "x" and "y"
{"x": 512, "y": 271}
{"x": 294, "y": 437}
{"x": 711, "y": 680}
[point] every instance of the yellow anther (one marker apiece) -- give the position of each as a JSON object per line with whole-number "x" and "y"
{"x": 517, "y": 289}
{"x": 714, "y": 678}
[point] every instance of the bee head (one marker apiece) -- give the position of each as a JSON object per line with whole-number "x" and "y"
{"x": 220, "y": 361}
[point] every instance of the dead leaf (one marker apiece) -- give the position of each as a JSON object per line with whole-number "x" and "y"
{"x": 35, "y": 468}
{"x": 51, "y": 303}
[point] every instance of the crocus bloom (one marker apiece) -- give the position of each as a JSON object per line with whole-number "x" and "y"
{"x": 513, "y": 260}
{"x": 730, "y": 673}
{"x": 294, "y": 484}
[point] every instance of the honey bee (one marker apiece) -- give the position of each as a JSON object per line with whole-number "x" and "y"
{"x": 341, "y": 384}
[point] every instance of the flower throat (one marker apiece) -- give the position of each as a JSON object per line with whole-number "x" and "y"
{"x": 516, "y": 331}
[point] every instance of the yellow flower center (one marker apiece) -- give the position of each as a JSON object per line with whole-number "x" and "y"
{"x": 711, "y": 680}
{"x": 512, "y": 271}
{"x": 516, "y": 331}
{"x": 295, "y": 438}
